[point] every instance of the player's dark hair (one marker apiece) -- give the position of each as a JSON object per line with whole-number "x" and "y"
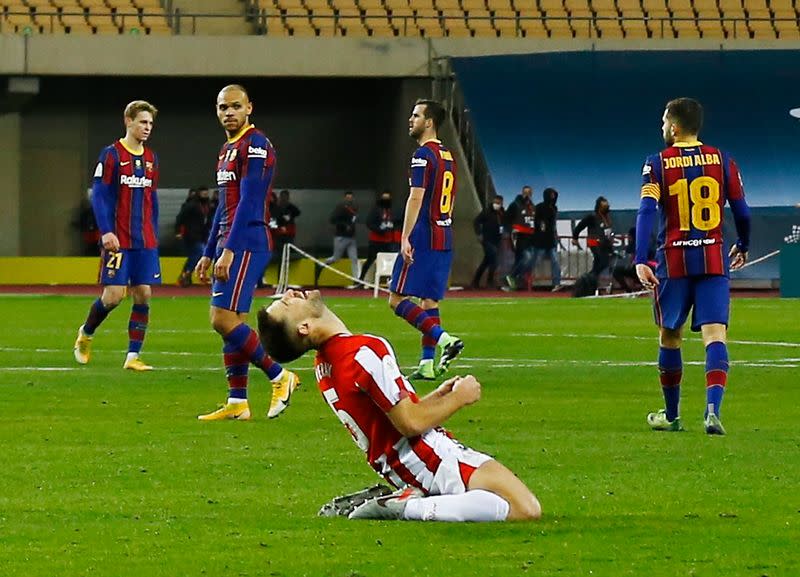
{"x": 598, "y": 202}
{"x": 277, "y": 339}
{"x": 686, "y": 113}
{"x": 433, "y": 111}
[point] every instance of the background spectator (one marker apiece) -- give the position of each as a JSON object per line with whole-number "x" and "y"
{"x": 343, "y": 218}
{"x": 520, "y": 218}
{"x": 282, "y": 222}
{"x": 382, "y": 224}
{"x": 545, "y": 238}
{"x": 192, "y": 225}
{"x": 599, "y": 234}
{"x": 489, "y": 228}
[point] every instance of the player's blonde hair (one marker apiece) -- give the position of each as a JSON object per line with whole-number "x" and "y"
{"x": 134, "y": 108}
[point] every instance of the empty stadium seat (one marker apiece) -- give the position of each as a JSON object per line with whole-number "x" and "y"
{"x": 532, "y": 27}
{"x": 609, "y": 28}
{"x": 635, "y": 28}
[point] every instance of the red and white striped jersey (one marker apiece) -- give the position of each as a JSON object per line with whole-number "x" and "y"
{"x": 360, "y": 380}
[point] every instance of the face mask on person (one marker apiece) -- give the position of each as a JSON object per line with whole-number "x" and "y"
{"x": 385, "y": 202}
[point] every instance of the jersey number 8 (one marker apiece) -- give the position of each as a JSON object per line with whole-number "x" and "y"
{"x": 446, "y": 200}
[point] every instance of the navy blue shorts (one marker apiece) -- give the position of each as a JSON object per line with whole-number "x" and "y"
{"x": 425, "y": 278}
{"x": 708, "y": 297}
{"x": 236, "y": 294}
{"x": 130, "y": 266}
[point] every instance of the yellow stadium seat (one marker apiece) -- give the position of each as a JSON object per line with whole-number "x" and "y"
{"x": 275, "y": 27}
{"x": 788, "y": 32}
{"x": 532, "y": 27}
{"x": 495, "y": 5}
{"x": 156, "y": 24}
{"x": 761, "y": 29}
{"x": 711, "y": 29}
{"x": 731, "y": 9}
{"x": 635, "y": 28}
{"x": 528, "y": 8}
{"x": 558, "y": 27}
{"x": 66, "y": 5}
{"x": 481, "y": 24}
{"x": 685, "y": 28}
{"x": 443, "y": 5}
{"x": 456, "y": 27}
{"x": 430, "y": 27}
{"x": 40, "y": 5}
{"x": 609, "y": 28}
{"x": 605, "y": 8}
{"x": 630, "y": 9}
{"x": 505, "y": 19}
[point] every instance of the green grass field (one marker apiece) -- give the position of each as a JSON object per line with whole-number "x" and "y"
{"x": 109, "y": 474}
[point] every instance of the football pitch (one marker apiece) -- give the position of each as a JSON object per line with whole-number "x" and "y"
{"x": 108, "y": 473}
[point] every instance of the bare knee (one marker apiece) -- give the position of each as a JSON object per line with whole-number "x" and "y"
{"x": 527, "y": 509}
{"x": 670, "y": 338}
{"x": 112, "y": 296}
{"x": 223, "y": 321}
{"x": 714, "y": 333}
{"x": 141, "y": 294}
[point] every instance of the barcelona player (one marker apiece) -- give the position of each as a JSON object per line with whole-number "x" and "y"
{"x": 438, "y": 478}
{"x": 686, "y": 186}
{"x": 426, "y": 242}
{"x": 240, "y": 246}
{"x": 125, "y": 206}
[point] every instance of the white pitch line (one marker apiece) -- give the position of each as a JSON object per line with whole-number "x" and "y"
{"x": 493, "y": 363}
{"x": 653, "y": 338}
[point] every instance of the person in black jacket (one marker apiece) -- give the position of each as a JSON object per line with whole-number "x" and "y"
{"x": 343, "y": 218}
{"x": 545, "y": 237}
{"x": 520, "y": 219}
{"x": 282, "y": 224}
{"x": 599, "y": 234}
{"x": 489, "y": 228}
{"x": 192, "y": 225}
{"x": 382, "y": 224}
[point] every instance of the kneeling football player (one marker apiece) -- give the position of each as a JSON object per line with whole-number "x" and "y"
{"x": 438, "y": 478}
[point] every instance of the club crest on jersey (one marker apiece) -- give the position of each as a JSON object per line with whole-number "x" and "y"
{"x": 135, "y": 181}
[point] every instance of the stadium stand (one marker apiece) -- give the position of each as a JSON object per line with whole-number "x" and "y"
{"x": 608, "y": 19}
{"x": 83, "y": 17}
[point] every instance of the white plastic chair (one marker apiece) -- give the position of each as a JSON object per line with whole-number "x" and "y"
{"x": 384, "y": 265}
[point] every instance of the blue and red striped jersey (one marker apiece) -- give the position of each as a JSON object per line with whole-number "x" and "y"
{"x": 433, "y": 168}
{"x": 691, "y": 182}
{"x": 124, "y": 196}
{"x": 245, "y": 169}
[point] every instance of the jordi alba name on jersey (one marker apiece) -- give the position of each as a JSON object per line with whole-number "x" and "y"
{"x": 691, "y": 184}
{"x": 433, "y": 168}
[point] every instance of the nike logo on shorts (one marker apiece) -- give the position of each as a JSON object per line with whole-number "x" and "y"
{"x": 157, "y": 275}
{"x": 217, "y": 294}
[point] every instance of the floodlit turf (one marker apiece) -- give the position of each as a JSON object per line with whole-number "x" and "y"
{"x": 109, "y": 474}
